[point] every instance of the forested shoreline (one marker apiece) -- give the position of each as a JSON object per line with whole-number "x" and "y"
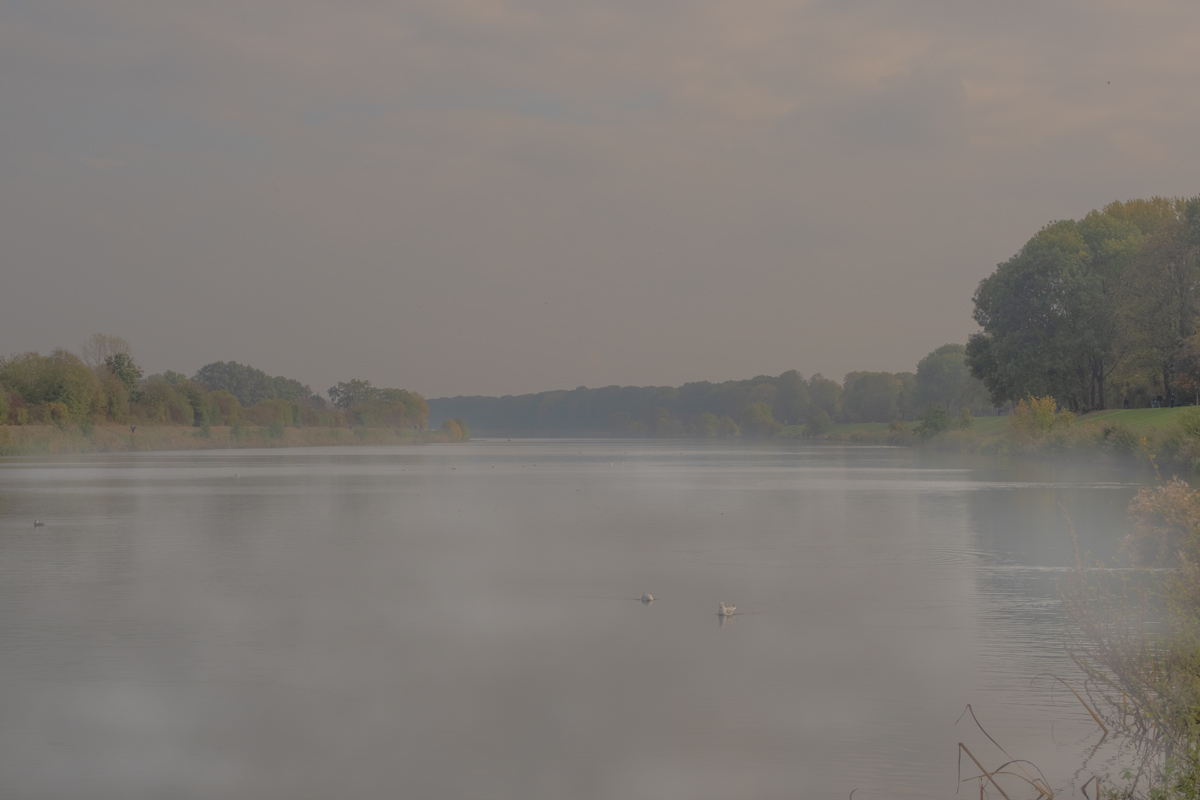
{"x": 103, "y": 386}
{"x": 1093, "y": 314}
{"x": 1096, "y": 313}
{"x": 762, "y": 407}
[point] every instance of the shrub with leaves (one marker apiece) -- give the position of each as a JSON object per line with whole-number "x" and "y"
{"x": 59, "y": 378}
{"x": 1035, "y": 424}
{"x": 1166, "y": 525}
{"x": 935, "y": 420}
{"x": 58, "y": 413}
{"x": 819, "y": 422}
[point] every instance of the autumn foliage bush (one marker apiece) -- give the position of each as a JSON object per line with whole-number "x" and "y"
{"x": 1166, "y": 525}
{"x": 1037, "y": 417}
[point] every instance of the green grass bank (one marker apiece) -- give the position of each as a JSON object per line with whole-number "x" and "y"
{"x": 1166, "y": 437}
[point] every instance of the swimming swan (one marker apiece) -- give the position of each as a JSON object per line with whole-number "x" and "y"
{"x": 726, "y": 612}
{"x": 647, "y": 597}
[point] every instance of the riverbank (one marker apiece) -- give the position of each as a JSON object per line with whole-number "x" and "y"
{"x": 49, "y": 439}
{"x": 1168, "y": 437}
{"x": 1140, "y": 421}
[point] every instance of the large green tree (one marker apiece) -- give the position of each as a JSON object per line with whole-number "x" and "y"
{"x": 1049, "y": 314}
{"x": 1161, "y": 302}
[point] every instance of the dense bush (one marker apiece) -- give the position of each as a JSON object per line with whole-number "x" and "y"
{"x": 757, "y": 421}
{"x": 457, "y": 430}
{"x": 379, "y": 407}
{"x": 1035, "y": 420}
{"x": 936, "y": 420}
{"x": 58, "y": 414}
{"x": 57, "y": 378}
{"x": 250, "y": 385}
{"x": 204, "y": 409}
{"x": 18, "y": 409}
{"x": 228, "y": 409}
{"x": 116, "y": 397}
{"x": 1166, "y": 530}
{"x": 819, "y": 423}
{"x": 268, "y": 412}
{"x": 378, "y": 413}
{"x": 162, "y": 403}
{"x": 705, "y": 425}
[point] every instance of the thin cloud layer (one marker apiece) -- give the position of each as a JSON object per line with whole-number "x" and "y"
{"x": 499, "y": 196}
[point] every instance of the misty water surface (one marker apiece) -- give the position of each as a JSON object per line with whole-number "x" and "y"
{"x": 461, "y": 621}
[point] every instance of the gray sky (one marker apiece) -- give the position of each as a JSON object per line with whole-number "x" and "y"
{"x": 505, "y": 196}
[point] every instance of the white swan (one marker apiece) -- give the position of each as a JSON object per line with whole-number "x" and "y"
{"x": 726, "y": 612}
{"x": 647, "y": 597}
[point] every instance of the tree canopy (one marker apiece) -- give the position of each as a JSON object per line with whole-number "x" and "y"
{"x": 1112, "y": 294}
{"x": 62, "y": 388}
{"x": 250, "y": 385}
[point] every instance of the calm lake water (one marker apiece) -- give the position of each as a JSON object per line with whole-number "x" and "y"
{"x": 462, "y": 622}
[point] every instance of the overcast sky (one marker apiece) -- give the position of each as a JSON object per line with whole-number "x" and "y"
{"x": 507, "y": 196}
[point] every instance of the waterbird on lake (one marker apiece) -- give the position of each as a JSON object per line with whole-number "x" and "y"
{"x": 726, "y": 612}
{"x": 38, "y": 524}
{"x": 647, "y": 597}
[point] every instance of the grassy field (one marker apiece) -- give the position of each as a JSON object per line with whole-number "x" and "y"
{"x": 1158, "y": 419}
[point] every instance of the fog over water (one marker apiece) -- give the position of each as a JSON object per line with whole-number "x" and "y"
{"x": 463, "y": 621}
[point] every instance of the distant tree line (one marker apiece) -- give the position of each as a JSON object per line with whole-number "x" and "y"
{"x": 104, "y": 384}
{"x": 1098, "y": 313}
{"x": 759, "y": 407}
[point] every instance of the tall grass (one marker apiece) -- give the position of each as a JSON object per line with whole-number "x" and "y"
{"x": 1136, "y": 639}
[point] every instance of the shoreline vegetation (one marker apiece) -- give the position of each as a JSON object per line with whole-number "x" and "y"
{"x": 1088, "y": 316}
{"x": 99, "y": 401}
{"x": 1162, "y": 438}
{"x": 1135, "y": 636}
